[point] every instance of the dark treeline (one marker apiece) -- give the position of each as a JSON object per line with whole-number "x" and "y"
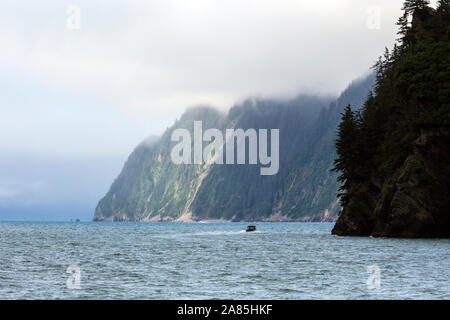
{"x": 394, "y": 153}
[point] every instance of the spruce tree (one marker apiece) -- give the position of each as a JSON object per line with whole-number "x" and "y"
{"x": 410, "y": 6}
{"x": 403, "y": 28}
{"x": 392, "y": 175}
{"x": 387, "y": 59}
{"x": 379, "y": 68}
{"x": 346, "y": 154}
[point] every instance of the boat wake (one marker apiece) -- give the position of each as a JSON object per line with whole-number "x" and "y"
{"x": 217, "y": 233}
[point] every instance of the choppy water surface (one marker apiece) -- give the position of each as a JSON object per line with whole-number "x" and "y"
{"x": 215, "y": 260}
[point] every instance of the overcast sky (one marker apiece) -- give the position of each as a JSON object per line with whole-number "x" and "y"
{"x": 130, "y": 68}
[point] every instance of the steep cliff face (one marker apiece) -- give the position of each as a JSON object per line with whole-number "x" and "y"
{"x": 152, "y": 188}
{"x": 395, "y": 172}
{"x": 416, "y": 200}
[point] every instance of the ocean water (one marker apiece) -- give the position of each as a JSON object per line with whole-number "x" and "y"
{"x": 215, "y": 261}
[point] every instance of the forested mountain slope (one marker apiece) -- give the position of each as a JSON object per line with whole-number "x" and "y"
{"x": 394, "y": 154}
{"x": 152, "y": 188}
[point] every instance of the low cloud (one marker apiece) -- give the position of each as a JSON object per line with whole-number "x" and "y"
{"x": 151, "y": 59}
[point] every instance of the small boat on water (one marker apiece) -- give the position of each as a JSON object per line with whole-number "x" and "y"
{"x": 251, "y": 229}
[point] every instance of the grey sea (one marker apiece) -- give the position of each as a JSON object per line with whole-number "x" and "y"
{"x": 215, "y": 261}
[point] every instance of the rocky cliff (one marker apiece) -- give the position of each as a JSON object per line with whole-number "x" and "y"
{"x": 394, "y": 155}
{"x": 152, "y": 188}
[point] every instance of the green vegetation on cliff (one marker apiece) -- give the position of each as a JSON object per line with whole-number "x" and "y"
{"x": 394, "y": 153}
{"x": 152, "y": 188}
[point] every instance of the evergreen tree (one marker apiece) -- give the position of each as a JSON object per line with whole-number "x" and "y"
{"x": 395, "y": 53}
{"x": 387, "y": 59}
{"x": 346, "y": 150}
{"x": 379, "y": 67}
{"x": 410, "y": 6}
{"x": 392, "y": 176}
{"x": 403, "y": 28}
